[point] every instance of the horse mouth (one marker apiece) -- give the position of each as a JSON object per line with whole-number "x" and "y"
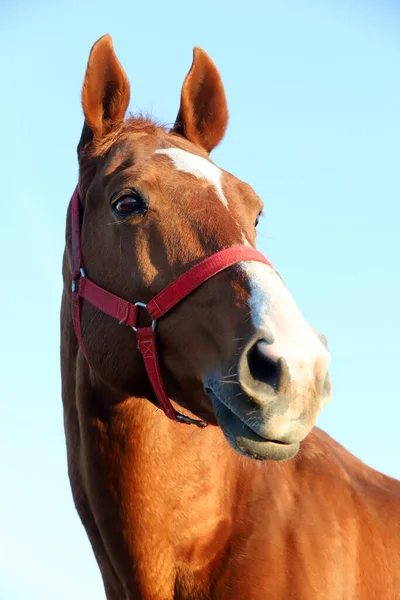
{"x": 245, "y": 440}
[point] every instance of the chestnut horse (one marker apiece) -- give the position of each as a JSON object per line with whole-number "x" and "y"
{"x": 178, "y": 511}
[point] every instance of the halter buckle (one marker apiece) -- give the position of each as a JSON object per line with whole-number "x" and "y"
{"x": 190, "y": 421}
{"x": 153, "y": 321}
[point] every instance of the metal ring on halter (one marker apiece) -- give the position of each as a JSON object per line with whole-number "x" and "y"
{"x": 153, "y": 322}
{"x": 75, "y": 281}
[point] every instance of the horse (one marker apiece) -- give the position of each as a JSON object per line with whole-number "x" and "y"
{"x": 191, "y": 382}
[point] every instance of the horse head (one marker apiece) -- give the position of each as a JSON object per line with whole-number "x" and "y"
{"x": 237, "y": 352}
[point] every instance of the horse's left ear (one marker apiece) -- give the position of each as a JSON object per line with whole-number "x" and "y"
{"x": 105, "y": 92}
{"x": 203, "y": 113}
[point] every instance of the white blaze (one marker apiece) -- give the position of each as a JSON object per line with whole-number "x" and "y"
{"x": 198, "y": 166}
{"x": 273, "y": 310}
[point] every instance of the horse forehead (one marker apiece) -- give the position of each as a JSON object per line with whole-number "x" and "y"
{"x": 196, "y": 165}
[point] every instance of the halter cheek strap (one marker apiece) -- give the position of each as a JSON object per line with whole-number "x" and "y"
{"x": 127, "y": 313}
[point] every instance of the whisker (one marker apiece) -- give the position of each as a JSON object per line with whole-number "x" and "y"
{"x": 230, "y": 369}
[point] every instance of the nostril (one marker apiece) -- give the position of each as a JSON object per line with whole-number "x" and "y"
{"x": 262, "y": 367}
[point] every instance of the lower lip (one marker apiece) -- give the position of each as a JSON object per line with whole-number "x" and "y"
{"x": 248, "y": 442}
{"x": 266, "y": 450}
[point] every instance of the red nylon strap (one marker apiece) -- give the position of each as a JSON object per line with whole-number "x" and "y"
{"x": 109, "y": 303}
{"x": 197, "y": 275}
{"x": 77, "y": 262}
{"x": 127, "y": 313}
{"x": 76, "y": 312}
{"x": 77, "y": 265}
{"x": 148, "y": 349}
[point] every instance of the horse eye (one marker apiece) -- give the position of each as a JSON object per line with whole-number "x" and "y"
{"x": 129, "y": 204}
{"x": 258, "y": 218}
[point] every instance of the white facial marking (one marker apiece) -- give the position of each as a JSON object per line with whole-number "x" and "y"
{"x": 198, "y": 166}
{"x": 274, "y": 311}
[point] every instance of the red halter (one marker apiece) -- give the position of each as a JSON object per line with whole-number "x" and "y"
{"x": 126, "y": 313}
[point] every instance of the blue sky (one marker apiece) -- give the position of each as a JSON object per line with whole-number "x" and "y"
{"x": 314, "y": 96}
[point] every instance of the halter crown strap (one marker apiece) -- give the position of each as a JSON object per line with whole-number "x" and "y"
{"x": 127, "y": 313}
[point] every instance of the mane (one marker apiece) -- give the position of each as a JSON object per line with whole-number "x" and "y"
{"x": 133, "y": 124}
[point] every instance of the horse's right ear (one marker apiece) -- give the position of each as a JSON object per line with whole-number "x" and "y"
{"x": 105, "y": 92}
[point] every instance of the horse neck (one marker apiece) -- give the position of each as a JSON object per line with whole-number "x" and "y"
{"x": 175, "y": 453}
{"x": 152, "y": 465}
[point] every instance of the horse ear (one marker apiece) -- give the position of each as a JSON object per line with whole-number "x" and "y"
{"x": 203, "y": 113}
{"x": 105, "y": 92}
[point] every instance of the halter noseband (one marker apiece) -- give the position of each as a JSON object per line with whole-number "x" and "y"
{"x": 127, "y": 313}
